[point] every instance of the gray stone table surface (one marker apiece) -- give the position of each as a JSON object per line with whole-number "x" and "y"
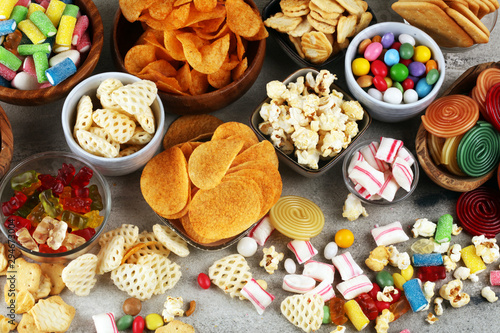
{"x": 38, "y": 129}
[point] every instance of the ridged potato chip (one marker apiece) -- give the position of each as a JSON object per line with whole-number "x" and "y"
{"x": 186, "y": 128}
{"x": 139, "y": 57}
{"x": 263, "y": 150}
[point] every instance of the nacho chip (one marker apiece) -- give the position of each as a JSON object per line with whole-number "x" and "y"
{"x": 242, "y": 19}
{"x": 220, "y": 79}
{"x": 207, "y": 59}
{"x": 199, "y": 83}
{"x": 205, "y": 5}
{"x": 139, "y": 57}
{"x": 186, "y": 128}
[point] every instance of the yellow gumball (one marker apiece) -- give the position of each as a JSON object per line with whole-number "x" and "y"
{"x": 407, "y": 273}
{"x": 422, "y": 54}
{"x": 360, "y": 66}
{"x": 399, "y": 280}
{"x": 344, "y": 238}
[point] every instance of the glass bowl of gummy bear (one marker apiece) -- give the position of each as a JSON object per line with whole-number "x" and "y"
{"x": 55, "y": 206}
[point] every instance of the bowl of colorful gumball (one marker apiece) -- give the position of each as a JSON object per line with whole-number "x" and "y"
{"x": 47, "y": 54}
{"x": 395, "y": 70}
{"x": 54, "y": 206}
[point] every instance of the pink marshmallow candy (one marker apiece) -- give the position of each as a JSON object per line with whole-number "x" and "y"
{"x": 389, "y": 234}
{"x": 319, "y": 271}
{"x": 29, "y": 66}
{"x": 346, "y": 266}
{"x": 105, "y": 323}
{"x": 403, "y": 174}
{"x": 324, "y": 290}
{"x": 367, "y": 176}
{"x": 388, "y": 149}
{"x": 354, "y": 287}
{"x": 495, "y": 278}
{"x": 260, "y": 298}
{"x": 390, "y": 187}
{"x": 299, "y": 284}
{"x": 369, "y": 153}
{"x": 262, "y": 230}
{"x": 303, "y": 250}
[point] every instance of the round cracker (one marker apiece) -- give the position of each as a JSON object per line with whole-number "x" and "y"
{"x": 186, "y": 128}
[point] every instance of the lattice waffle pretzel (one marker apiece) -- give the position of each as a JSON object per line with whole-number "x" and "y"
{"x": 168, "y": 273}
{"x": 147, "y": 120}
{"x": 129, "y": 150}
{"x": 95, "y": 145}
{"x": 120, "y": 127}
{"x": 145, "y": 237}
{"x": 102, "y": 133}
{"x": 84, "y": 111}
{"x": 107, "y": 87}
{"x": 79, "y": 275}
{"x": 171, "y": 240}
{"x": 140, "y": 137}
{"x": 230, "y": 274}
{"x": 138, "y": 281}
{"x": 143, "y": 92}
{"x": 304, "y": 311}
{"x": 129, "y": 231}
{"x": 111, "y": 254}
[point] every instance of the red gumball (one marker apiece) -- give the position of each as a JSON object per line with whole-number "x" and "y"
{"x": 379, "y": 83}
{"x": 407, "y": 84}
{"x": 396, "y": 46}
{"x": 204, "y": 280}
{"x": 138, "y": 325}
{"x": 405, "y": 62}
{"x": 378, "y": 67}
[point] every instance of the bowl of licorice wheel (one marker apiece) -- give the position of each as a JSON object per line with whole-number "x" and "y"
{"x": 458, "y": 142}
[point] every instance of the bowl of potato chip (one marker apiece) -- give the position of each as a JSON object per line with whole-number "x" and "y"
{"x": 202, "y": 55}
{"x": 115, "y": 121}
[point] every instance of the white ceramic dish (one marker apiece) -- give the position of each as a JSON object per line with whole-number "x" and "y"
{"x": 110, "y": 166}
{"x": 380, "y": 110}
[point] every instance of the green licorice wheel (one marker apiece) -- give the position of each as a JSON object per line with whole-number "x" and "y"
{"x": 479, "y": 150}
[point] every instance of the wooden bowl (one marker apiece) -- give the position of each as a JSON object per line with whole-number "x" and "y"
{"x": 48, "y": 95}
{"x": 7, "y": 143}
{"x": 463, "y": 85}
{"x": 125, "y": 35}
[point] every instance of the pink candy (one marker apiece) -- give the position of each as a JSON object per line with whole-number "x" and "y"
{"x": 24, "y": 3}
{"x": 7, "y": 73}
{"x": 303, "y": 250}
{"x": 262, "y": 230}
{"x": 319, "y": 271}
{"x": 299, "y": 284}
{"x": 389, "y": 234}
{"x": 346, "y": 266}
{"x": 403, "y": 174}
{"x": 260, "y": 298}
{"x": 388, "y": 149}
{"x": 29, "y": 66}
{"x": 405, "y": 331}
{"x": 369, "y": 152}
{"x": 325, "y": 290}
{"x": 84, "y": 43}
{"x": 81, "y": 26}
{"x": 354, "y": 287}
{"x": 367, "y": 176}
{"x": 495, "y": 278}
{"x": 44, "y": 4}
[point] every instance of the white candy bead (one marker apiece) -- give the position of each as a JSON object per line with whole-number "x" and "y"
{"x": 405, "y": 38}
{"x": 367, "y": 176}
{"x": 410, "y": 96}
{"x": 346, "y": 266}
{"x": 319, "y": 271}
{"x": 303, "y": 250}
{"x": 247, "y": 247}
{"x": 403, "y": 174}
{"x": 262, "y": 230}
{"x": 24, "y": 81}
{"x": 393, "y": 96}
{"x": 74, "y": 55}
{"x": 331, "y": 250}
{"x": 290, "y": 266}
{"x": 389, "y": 234}
{"x": 299, "y": 284}
{"x": 105, "y": 323}
{"x": 257, "y": 295}
{"x": 354, "y": 287}
{"x": 375, "y": 94}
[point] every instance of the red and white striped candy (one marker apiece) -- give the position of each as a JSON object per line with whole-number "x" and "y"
{"x": 324, "y": 290}
{"x": 105, "y": 323}
{"x": 390, "y": 187}
{"x": 405, "y": 155}
{"x": 299, "y": 284}
{"x": 369, "y": 153}
{"x": 357, "y": 156}
{"x": 388, "y": 149}
{"x": 262, "y": 230}
{"x": 319, "y": 271}
{"x": 364, "y": 193}
{"x": 367, "y": 176}
{"x": 303, "y": 250}
{"x": 403, "y": 174}
{"x": 354, "y": 287}
{"x": 389, "y": 234}
{"x": 346, "y": 266}
{"x": 495, "y": 278}
{"x": 260, "y": 298}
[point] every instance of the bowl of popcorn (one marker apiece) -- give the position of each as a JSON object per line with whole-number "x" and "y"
{"x": 202, "y": 57}
{"x": 380, "y": 172}
{"x": 46, "y": 55}
{"x": 54, "y": 206}
{"x": 309, "y": 120}
{"x": 395, "y": 70}
{"x": 115, "y": 121}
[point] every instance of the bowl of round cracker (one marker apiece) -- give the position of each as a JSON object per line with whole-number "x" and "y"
{"x": 71, "y": 241}
{"x": 202, "y": 59}
{"x": 117, "y": 139}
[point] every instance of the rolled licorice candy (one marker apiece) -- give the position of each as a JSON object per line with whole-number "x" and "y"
{"x": 6, "y": 7}
{"x": 444, "y": 228}
{"x": 43, "y": 23}
{"x": 54, "y": 11}
{"x": 9, "y": 59}
{"x": 7, "y": 27}
{"x": 19, "y": 13}
{"x": 356, "y": 315}
{"x": 61, "y": 71}
{"x": 31, "y": 31}
{"x": 41, "y": 66}
{"x": 428, "y": 259}
{"x": 29, "y": 49}
{"x": 474, "y": 218}
{"x": 472, "y": 260}
{"x": 415, "y": 295}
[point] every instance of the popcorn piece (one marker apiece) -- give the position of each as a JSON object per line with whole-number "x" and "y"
{"x": 428, "y": 289}
{"x": 393, "y": 255}
{"x": 487, "y": 248}
{"x": 438, "y": 306}
{"x": 352, "y": 208}
{"x": 489, "y": 294}
{"x": 378, "y": 259}
{"x": 454, "y": 252}
{"x": 339, "y": 329}
{"x": 431, "y": 319}
{"x": 403, "y": 260}
{"x": 308, "y": 158}
{"x": 271, "y": 259}
{"x": 385, "y": 295}
{"x": 462, "y": 273}
{"x": 353, "y": 110}
{"x": 452, "y": 291}
{"x": 172, "y": 308}
{"x": 423, "y": 227}
{"x": 474, "y": 278}
{"x": 449, "y": 264}
{"x": 441, "y": 248}
{"x": 456, "y": 230}
{"x": 383, "y": 320}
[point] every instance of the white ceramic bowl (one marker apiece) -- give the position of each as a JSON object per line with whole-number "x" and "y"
{"x": 110, "y": 166}
{"x": 381, "y": 110}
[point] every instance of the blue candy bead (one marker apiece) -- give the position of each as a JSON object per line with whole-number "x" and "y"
{"x": 428, "y": 259}
{"x": 391, "y": 57}
{"x": 7, "y": 27}
{"x": 61, "y": 71}
{"x": 416, "y": 68}
{"x": 422, "y": 88}
{"x": 387, "y": 40}
{"x": 415, "y": 295}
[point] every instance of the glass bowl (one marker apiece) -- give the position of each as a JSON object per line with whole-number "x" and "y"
{"x": 401, "y": 194}
{"x": 49, "y": 163}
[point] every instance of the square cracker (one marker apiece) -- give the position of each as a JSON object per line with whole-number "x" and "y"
{"x": 52, "y": 314}
{"x": 54, "y": 272}
{"x": 29, "y": 275}
{"x": 424, "y": 15}
{"x": 473, "y": 30}
{"x": 175, "y": 326}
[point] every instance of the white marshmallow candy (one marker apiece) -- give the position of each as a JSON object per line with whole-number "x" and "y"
{"x": 260, "y": 298}
{"x": 354, "y": 287}
{"x": 369, "y": 152}
{"x": 303, "y": 250}
{"x": 262, "y": 230}
{"x": 388, "y": 149}
{"x": 389, "y": 188}
{"x": 290, "y": 266}
{"x": 405, "y": 155}
{"x": 324, "y": 290}
{"x": 357, "y": 156}
{"x": 24, "y": 81}
{"x": 299, "y": 284}
{"x": 247, "y": 247}
{"x": 105, "y": 323}
{"x": 346, "y": 266}
{"x": 389, "y": 234}
{"x": 74, "y": 55}
{"x": 331, "y": 250}
{"x": 319, "y": 271}
{"x": 403, "y": 173}
{"x": 364, "y": 193}
{"x": 367, "y": 176}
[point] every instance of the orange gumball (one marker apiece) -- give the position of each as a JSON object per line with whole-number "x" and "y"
{"x": 344, "y": 238}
